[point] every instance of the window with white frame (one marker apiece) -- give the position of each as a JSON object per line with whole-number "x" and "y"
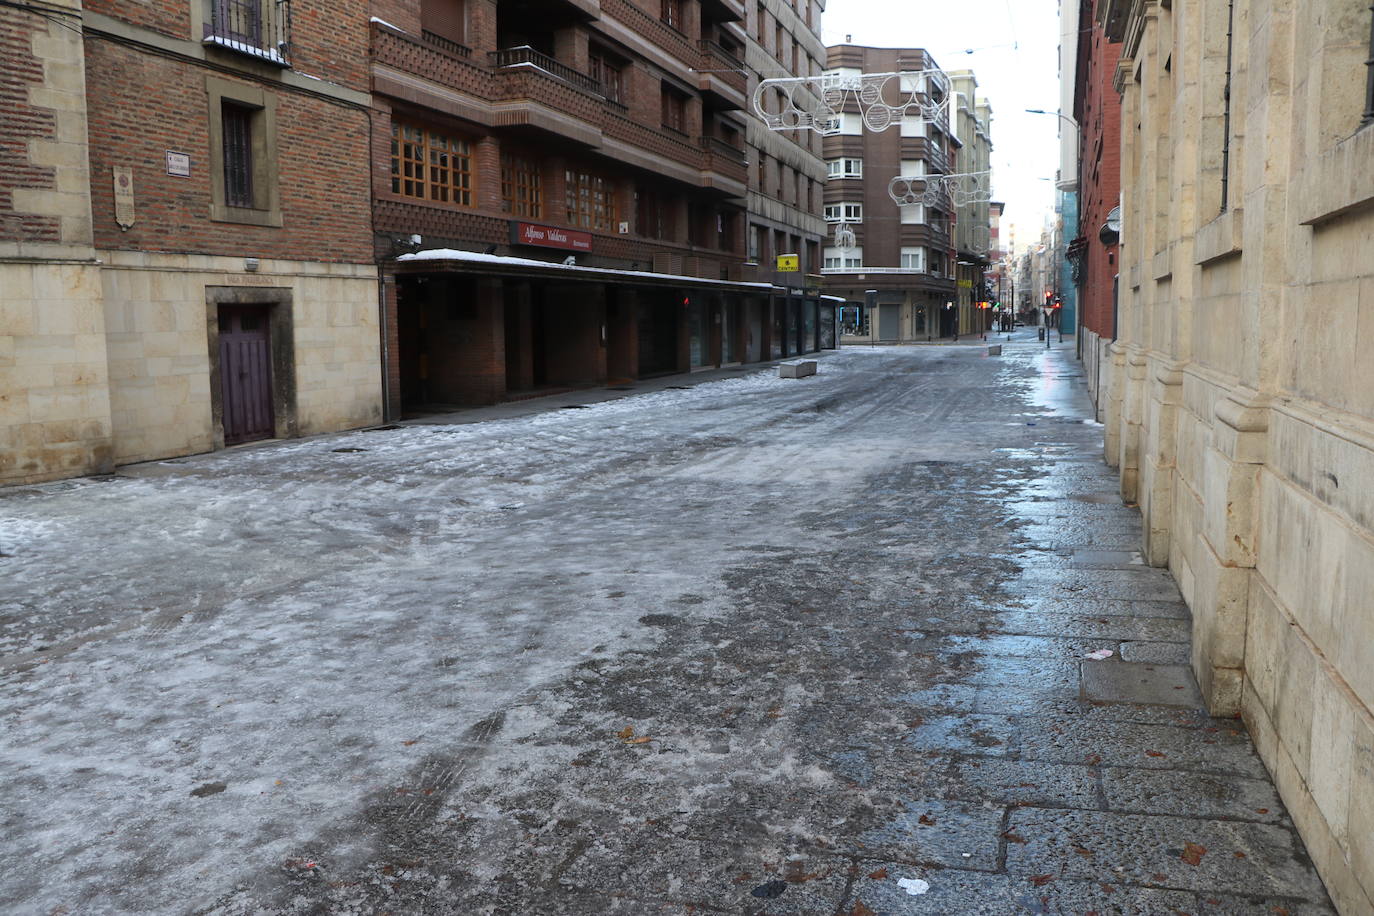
{"x": 845, "y": 168}
{"x": 913, "y": 168}
{"x": 843, "y": 259}
{"x": 913, "y": 214}
{"x": 913, "y": 83}
{"x": 851, "y": 125}
{"x": 914, "y": 259}
{"x": 913, "y": 126}
{"x": 848, "y": 212}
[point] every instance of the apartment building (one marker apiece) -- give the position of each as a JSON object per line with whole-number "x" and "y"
{"x": 1241, "y": 385}
{"x": 972, "y": 123}
{"x": 184, "y": 231}
{"x": 899, "y": 275}
{"x": 561, "y": 196}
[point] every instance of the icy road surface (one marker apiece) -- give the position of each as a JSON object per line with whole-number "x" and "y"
{"x": 759, "y": 646}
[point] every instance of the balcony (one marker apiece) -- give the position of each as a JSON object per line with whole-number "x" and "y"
{"x": 532, "y": 90}
{"x": 260, "y": 29}
{"x": 720, "y": 76}
{"x": 723, "y": 167}
{"x": 723, "y": 10}
{"x": 447, "y": 45}
{"x": 525, "y": 56}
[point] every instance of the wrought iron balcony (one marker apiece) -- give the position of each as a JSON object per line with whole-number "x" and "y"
{"x": 525, "y": 56}
{"x": 256, "y": 28}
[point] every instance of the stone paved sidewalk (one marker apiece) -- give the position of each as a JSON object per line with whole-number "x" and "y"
{"x": 831, "y": 664}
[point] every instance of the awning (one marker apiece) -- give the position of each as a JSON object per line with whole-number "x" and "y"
{"x": 476, "y": 263}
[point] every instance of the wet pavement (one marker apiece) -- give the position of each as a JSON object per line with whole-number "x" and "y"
{"x": 758, "y": 646}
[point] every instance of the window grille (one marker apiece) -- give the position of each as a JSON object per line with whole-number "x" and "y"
{"x": 237, "y": 122}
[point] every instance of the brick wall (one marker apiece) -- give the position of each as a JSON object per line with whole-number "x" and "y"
{"x": 142, "y": 105}
{"x": 1098, "y": 111}
{"x": 20, "y": 123}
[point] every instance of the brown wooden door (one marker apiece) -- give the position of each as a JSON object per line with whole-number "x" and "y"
{"x": 245, "y": 371}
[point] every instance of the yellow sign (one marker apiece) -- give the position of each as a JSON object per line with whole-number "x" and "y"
{"x": 789, "y": 263}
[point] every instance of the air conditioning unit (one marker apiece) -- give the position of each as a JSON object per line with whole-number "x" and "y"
{"x": 624, "y": 227}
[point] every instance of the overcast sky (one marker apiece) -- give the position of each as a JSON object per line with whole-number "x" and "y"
{"x": 1015, "y": 55}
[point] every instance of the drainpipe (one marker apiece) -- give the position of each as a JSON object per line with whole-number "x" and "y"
{"x": 1226, "y": 128}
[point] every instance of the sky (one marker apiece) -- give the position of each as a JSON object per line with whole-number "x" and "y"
{"x": 1012, "y": 46}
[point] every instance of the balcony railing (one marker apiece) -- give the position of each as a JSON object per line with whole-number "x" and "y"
{"x": 257, "y": 28}
{"x": 446, "y": 44}
{"x": 718, "y": 147}
{"x": 715, "y": 49}
{"x": 525, "y": 56}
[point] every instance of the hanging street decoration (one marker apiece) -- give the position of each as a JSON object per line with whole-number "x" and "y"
{"x": 883, "y": 99}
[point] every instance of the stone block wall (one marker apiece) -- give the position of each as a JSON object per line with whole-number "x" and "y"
{"x": 1240, "y": 395}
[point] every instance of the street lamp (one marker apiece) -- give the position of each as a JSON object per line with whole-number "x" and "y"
{"x": 1055, "y": 114}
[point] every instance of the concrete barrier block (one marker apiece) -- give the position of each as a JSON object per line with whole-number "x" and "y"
{"x": 995, "y": 350}
{"x": 798, "y": 369}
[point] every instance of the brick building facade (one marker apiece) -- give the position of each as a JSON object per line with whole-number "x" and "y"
{"x": 904, "y": 253}
{"x": 184, "y": 232}
{"x": 560, "y": 197}
{"x": 1097, "y": 110}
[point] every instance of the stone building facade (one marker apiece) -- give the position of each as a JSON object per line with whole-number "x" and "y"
{"x": 905, "y": 254}
{"x": 184, "y": 233}
{"x": 1241, "y": 386}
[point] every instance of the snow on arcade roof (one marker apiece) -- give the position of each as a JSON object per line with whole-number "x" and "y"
{"x": 531, "y": 264}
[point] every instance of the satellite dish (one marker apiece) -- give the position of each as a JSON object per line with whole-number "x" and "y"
{"x": 1110, "y": 233}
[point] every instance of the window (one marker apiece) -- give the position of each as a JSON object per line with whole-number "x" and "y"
{"x": 651, "y": 213}
{"x": 913, "y": 214}
{"x": 522, "y": 187}
{"x": 670, "y": 11}
{"x": 674, "y": 110}
{"x": 842, "y": 259}
{"x": 609, "y": 72}
{"x": 845, "y": 168}
{"x": 914, "y": 259}
{"x": 1369, "y": 76}
{"x": 851, "y": 125}
{"x": 848, "y": 212}
{"x": 243, "y": 153}
{"x": 913, "y": 126}
{"x": 913, "y": 168}
{"x": 777, "y": 40}
{"x": 238, "y": 154}
{"x": 590, "y": 201}
{"x": 760, "y": 21}
{"x": 428, "y": 165}
{"x": 763, "y": 171}
{"x": 446, "y": 19}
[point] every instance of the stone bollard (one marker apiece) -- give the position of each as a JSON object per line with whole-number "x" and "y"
{"x": 799, "y": 369}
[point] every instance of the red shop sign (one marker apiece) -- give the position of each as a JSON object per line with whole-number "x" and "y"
{"x": 550, "y": 237}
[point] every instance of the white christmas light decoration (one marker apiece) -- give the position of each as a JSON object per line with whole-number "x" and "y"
{"x": 883, "y": 99}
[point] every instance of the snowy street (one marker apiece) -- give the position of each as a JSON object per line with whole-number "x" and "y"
{"x": 719, "y": 644}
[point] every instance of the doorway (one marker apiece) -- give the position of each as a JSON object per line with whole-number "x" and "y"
{"x": 245, "y": 372}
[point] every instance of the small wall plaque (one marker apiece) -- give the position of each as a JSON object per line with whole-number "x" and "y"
{"x": 123, "y": 196}
{"x": 178, "y": 164}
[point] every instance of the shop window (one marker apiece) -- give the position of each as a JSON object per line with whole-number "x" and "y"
{"x": 429, "y": 165}
{"x": 243, "y": 154}
{"x": 522, "y": 186}
{"x": 590, "y": 201}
